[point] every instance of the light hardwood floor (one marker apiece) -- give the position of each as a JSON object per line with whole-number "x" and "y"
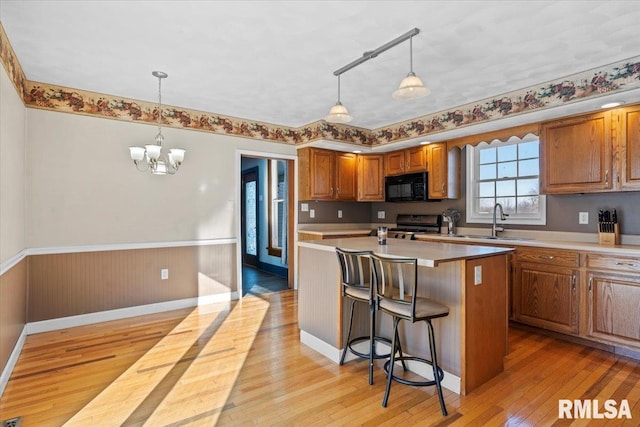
{"x": 241, "y": 363}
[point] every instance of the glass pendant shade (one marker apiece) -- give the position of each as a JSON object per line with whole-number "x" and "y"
{"x": 153, "y": 151}
{"x": 176, "y": 155}
{"x": 338, "y": 114}
{"x": 411, "y": 87}
{"x": 137, "y": 153}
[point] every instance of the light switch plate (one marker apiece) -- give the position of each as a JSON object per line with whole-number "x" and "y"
{"x": 339, "y": 213}
{"x": 304, "y": 207}
{"x": 381, "y": 214}
{"x": 312, "y": 213}
{"x": 477, "y": 275}
{"x": 583, "y": 218}
{"x": 164, "y": 274}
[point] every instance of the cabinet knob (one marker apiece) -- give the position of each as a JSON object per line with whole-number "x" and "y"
{"x": 590, "y": 283}
{"x": 443, "y": 187}
{"x": 606, "y": 178}
{"x": 549, "y": 257}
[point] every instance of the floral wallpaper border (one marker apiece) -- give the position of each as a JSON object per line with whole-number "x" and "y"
{"x": 11, "y": 63}
{"x": 618, "y": 77}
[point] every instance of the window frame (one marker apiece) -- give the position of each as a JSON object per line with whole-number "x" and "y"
{"x": 473, "y": 165}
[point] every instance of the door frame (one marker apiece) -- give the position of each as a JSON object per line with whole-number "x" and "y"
{"x": 292, "y": 213}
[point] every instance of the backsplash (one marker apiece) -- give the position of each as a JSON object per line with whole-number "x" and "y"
{"x": 562, "y": 212}
{"x": 327, "y": 212}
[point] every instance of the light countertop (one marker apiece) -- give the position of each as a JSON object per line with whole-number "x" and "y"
{"x": 623, "y": 250}
{"x": 428, "y": 254}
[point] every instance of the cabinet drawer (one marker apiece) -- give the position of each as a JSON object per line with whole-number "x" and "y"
{"x": 608, "y": 262}
{"x": 549, "y": 256}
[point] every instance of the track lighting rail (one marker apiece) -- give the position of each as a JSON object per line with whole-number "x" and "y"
{"x": 373, "y": 53}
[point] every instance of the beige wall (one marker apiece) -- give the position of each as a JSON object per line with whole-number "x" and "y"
{"x": 13, "y": 281}
{"x": 83, "y": 189}
{"x": 12, "y": 169}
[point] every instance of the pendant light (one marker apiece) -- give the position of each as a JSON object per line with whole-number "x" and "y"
{"x": 150, "y": 157}
{"x": 411, "y": 87}
{"x": 338, "y": 113}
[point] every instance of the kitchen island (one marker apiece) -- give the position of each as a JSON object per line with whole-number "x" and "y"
{"x": 471, "y": 280}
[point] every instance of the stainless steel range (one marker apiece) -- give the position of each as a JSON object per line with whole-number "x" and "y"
{"x": 407, "y": 226}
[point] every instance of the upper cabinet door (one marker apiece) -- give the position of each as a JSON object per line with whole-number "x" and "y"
{"x": 438, "y": 171}
{"x": 321, "y": 175}
{"x": 575, "y": 155}
{"x": 394, "y": 163}
{"x": 630, "y": 149}
{"x": 345, "y": 176}
{"x": 371, "y": 178}
{"x": 416, "y": 159}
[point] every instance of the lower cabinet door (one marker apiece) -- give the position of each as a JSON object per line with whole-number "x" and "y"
{"x": 546, "y": 296}
{"x": 614, "y": 307}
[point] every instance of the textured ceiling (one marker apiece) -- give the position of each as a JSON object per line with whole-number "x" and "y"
{"x": 273, "y": 61}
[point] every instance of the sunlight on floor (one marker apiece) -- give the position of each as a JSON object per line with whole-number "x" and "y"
{"x": 172, "y": 373}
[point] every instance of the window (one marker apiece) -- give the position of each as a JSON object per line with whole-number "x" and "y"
{"x": 505, "y": 173}
{"x": 277, "y": 195}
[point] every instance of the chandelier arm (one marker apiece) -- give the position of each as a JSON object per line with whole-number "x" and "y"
{"x": 137, "y": 163}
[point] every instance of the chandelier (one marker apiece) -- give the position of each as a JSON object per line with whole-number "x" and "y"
{"x": 151, "y": 158}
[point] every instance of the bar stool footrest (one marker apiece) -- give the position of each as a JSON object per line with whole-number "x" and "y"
{"x": 357, "y": 340}
{"x": 411, "y": 382}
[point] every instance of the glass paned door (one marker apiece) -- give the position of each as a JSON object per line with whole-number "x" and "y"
{"x": 250, "y": 217}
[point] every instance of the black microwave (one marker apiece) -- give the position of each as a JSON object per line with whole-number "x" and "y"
{"x": 406, "y": 188}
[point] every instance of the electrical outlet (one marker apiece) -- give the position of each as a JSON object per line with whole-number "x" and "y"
{"x": 312, "y": 213}
{"x": 381, "y": 214}
{"x": 583, "y": 218}
{"x": 164, "y": 274}
{"x": 339, "y": 213}
{"x": 304, "y": 207}
{"x": 477, "y": 275}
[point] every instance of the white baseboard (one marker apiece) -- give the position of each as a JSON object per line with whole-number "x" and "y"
{"x": 123, "y": 313}
{"x": 450, "y": 381}
{"x": 13, "y": 359}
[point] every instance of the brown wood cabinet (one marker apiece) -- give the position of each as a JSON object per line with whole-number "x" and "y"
{"x": 444, "y": 171}
{"x": 443, "y": 167}
{"x": 409, "y": 160}
{"x": 575, "y": 154}
{"x": 370, "y": 177}
{"x": 545, "y": 290}
{"x": 326, "y": 175}
{"x": 614, "y": 299}
{"x": 596, "y": 152}
{"x": 630, "y": 148}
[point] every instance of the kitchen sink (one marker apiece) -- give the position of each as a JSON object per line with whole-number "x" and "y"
{"x": 473, "y": 236}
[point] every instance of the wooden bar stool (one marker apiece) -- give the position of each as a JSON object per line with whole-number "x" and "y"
{"x": 396, "y": 284}
{"x": 356, "y": 286}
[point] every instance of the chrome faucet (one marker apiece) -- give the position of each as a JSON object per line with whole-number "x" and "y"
{"x": 496, "y": 228}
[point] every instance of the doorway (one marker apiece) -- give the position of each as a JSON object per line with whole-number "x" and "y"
{"x": 266, "y": 224}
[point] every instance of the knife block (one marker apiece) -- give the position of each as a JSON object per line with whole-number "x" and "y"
{"x": 610, "y": 239}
